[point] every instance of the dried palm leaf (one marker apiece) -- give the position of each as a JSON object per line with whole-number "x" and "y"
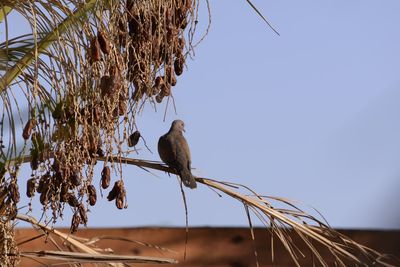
{"x": 78, "y": 257}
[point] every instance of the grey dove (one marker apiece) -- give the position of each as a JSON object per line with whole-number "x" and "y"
{"x": 174, "y": 151}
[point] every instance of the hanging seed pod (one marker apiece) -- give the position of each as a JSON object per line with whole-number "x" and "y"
{"x": 64, "y": 192}
{"x": 13, "y": 211}
{"x": 72, "y": 200}
{"x": 103, "y": 42}
{"x": 173, "y": 80}
{"x": 180, "y": 16}
{"x": 166, "y": 89}
{"x": 83, "y": 214}
{"x": 179, "y": 64}
{"x": 30, "y": 187}
{"x": 172, "y": 32}
{"x": 155, "y": 51}
{"x": 168, "y": 55}
{"x": 155, "y": 90}
{"x": 76, "y": 220}
{"x": 99, "y": 145}
{"x": 129, "y": 5}
{"x": 95, "y": 50}
{"x": 41, "y": 185}
{"x": 158, "y": 81}
{"x": 106, "y": 86}
{"x": 168, "y": 18}
{"x": 115, "y": 191}
{"x": 162, "y": 52}
{"x": 122, "y": 104}
{"x": 134, "y": 26}
{"x": 58, "y": 178}
{"x": 181, "y": 44}
{"x": 159, "y": 97}
{"x": 92, "y": 195}
{"x": 114, "y": 84}
{"x": 114, "y": 71}
{"x": 122, "y": 32}
{"x": 112, "y": 194}
{"x": 100, "y": 152}
{"x": 133, "y": 139}
{"x": 115, "y": 112}
{"x": 170, "y": 77}
{"x": 75, "y": 179}
{"x": 154, "y": 25}
{"x": 34, "y": 162}
{"x": 105, "y": 177}
{"x": 26, "y": 133}
{"x": 56, "y": 165}
{"x": 14, "y": 192}
{"x": 93, "y": 145}
{"x": 119, "y": 202}
{"x": 44, "y": 196}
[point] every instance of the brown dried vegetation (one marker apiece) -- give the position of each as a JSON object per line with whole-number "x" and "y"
{"x": 123, "y": 60}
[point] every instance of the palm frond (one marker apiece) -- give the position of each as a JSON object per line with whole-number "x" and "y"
{"x": 310, "y": 229}
{"x": 48, "y": 37}
{"x": 78, "y": 257}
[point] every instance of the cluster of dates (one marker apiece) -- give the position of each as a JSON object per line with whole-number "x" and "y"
{"x": 136, "y": 56}
{"x": 157, "y": 36}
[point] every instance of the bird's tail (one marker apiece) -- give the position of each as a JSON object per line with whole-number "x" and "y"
{"x": 188, "y": 179}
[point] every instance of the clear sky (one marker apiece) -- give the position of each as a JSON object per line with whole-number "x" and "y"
{"x": 312, "y": 115}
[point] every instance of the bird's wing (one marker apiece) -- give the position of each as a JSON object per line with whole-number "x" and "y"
{"x": 182, "y": 152}
{"x": 166, "y": 150}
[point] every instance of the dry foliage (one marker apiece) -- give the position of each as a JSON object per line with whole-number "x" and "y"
{"x": 280, "y": 216}
{"x": 103, "y": 61}
{"x": 85, "y": 72}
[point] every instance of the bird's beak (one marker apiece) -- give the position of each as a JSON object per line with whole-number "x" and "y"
{"x": 183, "y": 129}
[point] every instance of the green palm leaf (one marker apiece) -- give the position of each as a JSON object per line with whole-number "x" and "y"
{"x": 4, "y": 10}
{"x": 72, "y": 21}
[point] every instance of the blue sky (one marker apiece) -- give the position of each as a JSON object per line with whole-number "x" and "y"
{"x": 311, "y": 115}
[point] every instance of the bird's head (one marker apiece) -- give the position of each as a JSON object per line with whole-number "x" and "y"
{"x": 178, "y": 125}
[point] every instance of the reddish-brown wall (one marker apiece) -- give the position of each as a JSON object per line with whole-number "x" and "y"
{"x": 222, "y": 247}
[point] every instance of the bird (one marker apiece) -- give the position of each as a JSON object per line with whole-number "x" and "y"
{"x": 174, "y": 151}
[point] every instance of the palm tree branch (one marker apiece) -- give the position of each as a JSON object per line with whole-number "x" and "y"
{"x": 44, "y": 43}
